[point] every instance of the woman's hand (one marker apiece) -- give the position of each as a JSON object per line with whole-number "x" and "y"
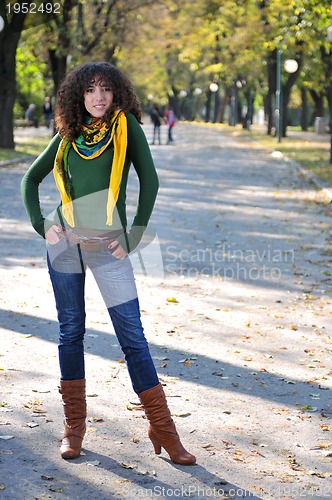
{"x": 116, "y": 250}
{"x": 52, "y": 235}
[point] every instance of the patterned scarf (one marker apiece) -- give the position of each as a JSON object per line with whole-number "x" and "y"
{"x": 94, "y": 139}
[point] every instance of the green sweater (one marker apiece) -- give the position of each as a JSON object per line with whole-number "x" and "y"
{"x": 90, "y": 183}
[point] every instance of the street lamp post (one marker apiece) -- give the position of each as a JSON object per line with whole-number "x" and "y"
{"x": 278, "y": 97}
{"x": 214, "y": 89}
{"x": 290, "y": 66}
{"x": 198, "y": 91}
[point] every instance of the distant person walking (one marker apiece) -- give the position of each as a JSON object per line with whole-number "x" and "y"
{"x": 30, "y": 115}
{"x": 156, "y": 118}
{"x": 47, "y": 111}
{"x": 170, "y": 120}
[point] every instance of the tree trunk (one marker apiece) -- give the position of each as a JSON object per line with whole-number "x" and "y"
{"x": 208, "y": 105}
{"x": 272, "y": 83}
{"x": 304, "y": 110}
{"x": 9, "y": 38}
{"x": 215, "y": 107}
{"x": 59, "y": 66}
{"x": 224, "y": 102}
{"x": 248, "y": 118}
{"x": 286, "y": 91}
{"x": 318, "y": 100}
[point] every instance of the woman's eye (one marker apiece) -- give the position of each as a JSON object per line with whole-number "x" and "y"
{"x": 107, "y": 89}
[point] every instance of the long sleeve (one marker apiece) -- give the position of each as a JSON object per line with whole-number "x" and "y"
{"x": 39, "y": 169}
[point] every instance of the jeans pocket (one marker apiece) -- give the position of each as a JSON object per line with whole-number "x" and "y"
{"x": 57, "y": 250}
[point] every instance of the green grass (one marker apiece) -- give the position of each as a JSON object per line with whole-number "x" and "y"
{"x": 310, "y": 150}
{"x": 25, "y": 146}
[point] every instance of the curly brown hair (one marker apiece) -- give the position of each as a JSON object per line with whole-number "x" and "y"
{"x": 70, "y": 111}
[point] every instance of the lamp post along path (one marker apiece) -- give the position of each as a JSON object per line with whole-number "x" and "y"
{"x": 278, "y": 97}
{"x": 290, "y": 66}
{"x": 214, "y": 89}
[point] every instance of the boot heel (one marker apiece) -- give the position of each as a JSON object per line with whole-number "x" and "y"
{"x": 156, "y": 445}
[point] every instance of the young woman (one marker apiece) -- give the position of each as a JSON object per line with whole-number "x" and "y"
{"x": 98, "y": 117}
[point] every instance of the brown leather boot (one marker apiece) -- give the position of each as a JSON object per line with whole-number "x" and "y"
{"x": 162, "y": 431}
{"x": 74, "y": 405}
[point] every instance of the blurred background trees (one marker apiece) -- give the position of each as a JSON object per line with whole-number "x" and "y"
{"x": 210, "y": 60}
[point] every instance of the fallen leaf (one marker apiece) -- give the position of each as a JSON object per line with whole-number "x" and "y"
{"x": 309, "y": 408}
{"x": 134, "y": 407}
{"x": 325, "y": 445}
{"x": 325, "y": 427}
{"x": 181, "y": 414}
{"x": 32, "y": 425}
{"x": 55, "y": 489}
{"x": 172, "y": 299}
{"x": 258, "y": 452}
{"x": 93, "y": 463}
{"x": 127, "y": 466}
{"x": 143, "y": 472}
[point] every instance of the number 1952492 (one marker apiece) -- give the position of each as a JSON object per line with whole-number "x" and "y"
{"x": 33, "y": 8}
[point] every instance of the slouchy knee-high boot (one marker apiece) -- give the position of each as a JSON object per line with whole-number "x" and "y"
{"x": 74, "y": 405}
{"x": 162, "y": 431}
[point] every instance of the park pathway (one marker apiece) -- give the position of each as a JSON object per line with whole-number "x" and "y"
{"x": 235, "y": 289}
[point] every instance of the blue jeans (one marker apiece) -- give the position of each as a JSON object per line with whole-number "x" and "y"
{"x": 67, "y": 266}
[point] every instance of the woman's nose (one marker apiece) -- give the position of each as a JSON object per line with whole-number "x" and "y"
{"x": 99, "y": 94}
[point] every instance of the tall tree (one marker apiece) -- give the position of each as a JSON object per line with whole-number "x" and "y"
{"x": 17, "y": 17}
{"x": 9, "y": 38}
{"x": 88, "y": 30}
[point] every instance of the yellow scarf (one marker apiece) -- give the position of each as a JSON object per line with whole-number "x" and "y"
{"x": 101, "y": 134}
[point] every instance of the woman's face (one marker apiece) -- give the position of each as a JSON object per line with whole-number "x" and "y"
{"x": 98, "y": 98}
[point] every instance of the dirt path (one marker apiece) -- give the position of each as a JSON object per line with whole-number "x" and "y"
{"x": 235, "y": 293}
